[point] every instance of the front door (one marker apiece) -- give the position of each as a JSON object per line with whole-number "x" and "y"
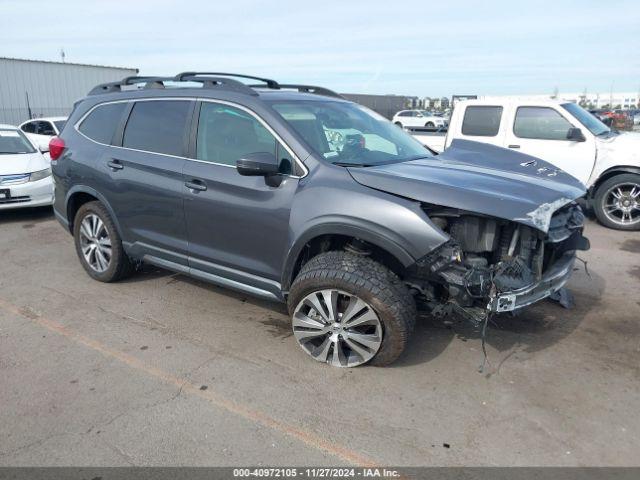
{"x": 237, "y": 226}
{"x": 542, "y": 132}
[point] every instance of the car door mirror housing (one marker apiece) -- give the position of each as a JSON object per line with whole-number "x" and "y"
{"x": 43, "y": 146}
{"x": 259, "y": 164}
{"x": 575, "y": 135}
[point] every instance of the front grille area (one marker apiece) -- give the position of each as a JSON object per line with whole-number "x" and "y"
{"x": 14, "y": 179}
{"x": 22, "y": 199}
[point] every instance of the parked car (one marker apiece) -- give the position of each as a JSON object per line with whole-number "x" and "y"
{"x": 251, "y": 188}
{"x": 25, "y": 174}
{"x": 606, "y": 161}
{"x": 418, "y": 118}
{"x": 40, "y": 130}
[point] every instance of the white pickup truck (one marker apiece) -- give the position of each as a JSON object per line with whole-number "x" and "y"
{"x": 607, "y": 162}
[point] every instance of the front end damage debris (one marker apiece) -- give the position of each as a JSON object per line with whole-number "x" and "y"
{"x": 491, "y": 265}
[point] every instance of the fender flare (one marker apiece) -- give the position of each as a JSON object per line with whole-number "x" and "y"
{"x": 618, "y": 169}
{"x": 344, "y": 229}
{"x": 94, "y": 193}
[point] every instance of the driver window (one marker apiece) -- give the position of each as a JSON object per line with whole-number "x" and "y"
{"x": 44, "y": 128}
{"x": 226, "y": 134}
{"x": 541, "y": 123}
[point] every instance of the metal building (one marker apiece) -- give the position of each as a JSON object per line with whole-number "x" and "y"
{"x": 35, "y": 88}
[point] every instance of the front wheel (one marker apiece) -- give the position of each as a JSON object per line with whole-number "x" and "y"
{"x": 398, "y": 124}
{"x": 348, "y": 310}
{"x": 617, "y": 202}
{"x": 430, "y": 125}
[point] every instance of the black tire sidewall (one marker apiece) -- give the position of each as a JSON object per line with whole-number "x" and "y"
{"x": 598, "y": 199}
{"x": 397, "y": 313}
{"x": 117, "y": 253}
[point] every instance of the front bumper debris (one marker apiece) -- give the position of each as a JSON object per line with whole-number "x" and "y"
{"x": 552, "y": 281}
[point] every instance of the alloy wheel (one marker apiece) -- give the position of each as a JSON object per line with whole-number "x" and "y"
{"x": 337, "y": 328}
{"x": 621, "y": 204}
{"x": 95, "y": 243}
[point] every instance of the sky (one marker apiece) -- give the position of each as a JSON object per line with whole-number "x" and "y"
{"x": 423, "y": 48}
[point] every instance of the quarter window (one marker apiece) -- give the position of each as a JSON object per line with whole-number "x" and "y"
{"x": 100, "y": 125}
{"x": 157, "y": 126}
{"x": 540, "y": 123}
{"x": 481, "y": 121}
{"x": 226, "y": 134}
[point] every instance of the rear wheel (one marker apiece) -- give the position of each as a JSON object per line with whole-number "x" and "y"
{"x": 399, "y": 124}
{"x": 348, "y": 310}
{"x": 98, "y": 244}
{"x": 430, "y": 125}
{"x": 617, "y": 202}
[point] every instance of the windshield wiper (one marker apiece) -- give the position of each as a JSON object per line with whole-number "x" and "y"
{"x": 349, "y": 164}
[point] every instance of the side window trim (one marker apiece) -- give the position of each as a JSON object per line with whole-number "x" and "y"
{"x": 515, "y": 117}
{"x": 118, "y": 134}
{"x": 301, "y": 170}
{"x": 299, "y": 165}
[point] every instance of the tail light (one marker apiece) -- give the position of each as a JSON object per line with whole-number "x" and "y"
{"x": 56, "y": 147}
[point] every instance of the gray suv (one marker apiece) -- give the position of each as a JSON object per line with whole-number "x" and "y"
{"x": 291, "y": 193}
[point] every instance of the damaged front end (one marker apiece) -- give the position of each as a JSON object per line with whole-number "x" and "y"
{"x": 492, "y": 265}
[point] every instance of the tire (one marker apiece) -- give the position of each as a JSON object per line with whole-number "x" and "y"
{"x": 604, "y": 195}
{"x": 372, "y": 283}
{"x": 430, "y": 125}
{"x": 398, "y": 124}
{"x": 119, "y": 265}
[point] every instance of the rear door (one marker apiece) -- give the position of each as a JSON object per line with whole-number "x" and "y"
{"x": 145, "y": 184}
{"x": 541, "y": 131}
{"x": 238, "y": 226}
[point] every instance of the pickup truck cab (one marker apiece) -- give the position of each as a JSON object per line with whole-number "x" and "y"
{"x": 606, "y": 161}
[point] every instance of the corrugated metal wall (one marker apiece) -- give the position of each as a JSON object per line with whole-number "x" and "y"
{"x": 52, "y": 87}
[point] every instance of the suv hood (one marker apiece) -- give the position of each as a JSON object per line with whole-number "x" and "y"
{"x": 479, "y": 178}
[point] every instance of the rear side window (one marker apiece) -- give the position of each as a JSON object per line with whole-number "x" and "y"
{"x": 541, "y": 123}
{"x": 157, "y": 126}
{"x": 101, "y": 124}
{"x": 29, "y": 127}
{"x": 481, "y": 121}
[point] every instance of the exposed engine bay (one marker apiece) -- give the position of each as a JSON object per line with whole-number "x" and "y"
{"x": 496, "y": 265}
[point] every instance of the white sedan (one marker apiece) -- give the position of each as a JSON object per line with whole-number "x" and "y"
{"x": 41, "y": 130}
{"x": 25, "y": 173}
{"x": 418, "y": 118}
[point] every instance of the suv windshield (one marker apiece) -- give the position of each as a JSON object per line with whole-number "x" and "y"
{"x": 14, "y": 141}
{"x": 587, "y": 119}
{"x": 349, "y": 134}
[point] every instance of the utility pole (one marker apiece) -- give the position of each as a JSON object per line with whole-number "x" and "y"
{"x": 62, "y": 55}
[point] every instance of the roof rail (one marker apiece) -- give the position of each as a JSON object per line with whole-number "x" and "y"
{"x": 117, "y": 86}
{"x": 211, "y": 80}
{"x": 214, "y": 81}
{"x": 313, "y": 89}
{"x": 270, "y": 83}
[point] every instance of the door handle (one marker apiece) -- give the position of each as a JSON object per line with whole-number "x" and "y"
{"x": 115, "y": 165}
{"x": 514, "y": 146}
{"x": 196, "y": 185}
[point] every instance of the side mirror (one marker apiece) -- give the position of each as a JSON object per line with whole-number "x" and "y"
{"x": 259, "y": 164}
{"x": 575, "y": 135}
{"x": 43, "y": 146}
